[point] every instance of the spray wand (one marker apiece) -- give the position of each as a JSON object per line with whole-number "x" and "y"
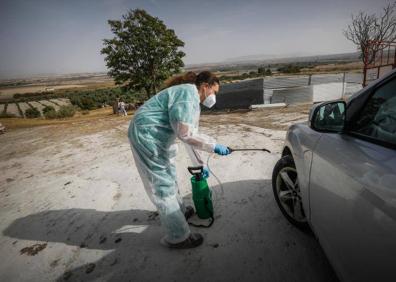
{"x": 248, "y": 149}
{"x": 232, "y": 150}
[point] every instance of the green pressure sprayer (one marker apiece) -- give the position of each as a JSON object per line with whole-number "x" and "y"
{"x": 201, "y": 193}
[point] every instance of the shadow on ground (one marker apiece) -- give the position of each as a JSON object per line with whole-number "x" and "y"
{"x": 250, "y": 240}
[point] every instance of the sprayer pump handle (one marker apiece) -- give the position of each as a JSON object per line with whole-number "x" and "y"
{"x": 194, "y": 170}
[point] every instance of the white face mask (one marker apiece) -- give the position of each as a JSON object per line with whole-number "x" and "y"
{"x": 209, "y": 101}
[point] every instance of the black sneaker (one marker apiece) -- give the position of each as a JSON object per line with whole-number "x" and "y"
{"x": 194, "y": 240}
{"x": 189, "y": 212}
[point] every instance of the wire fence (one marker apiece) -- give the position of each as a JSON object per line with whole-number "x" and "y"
{"x": 289, "y": 89}
{"x": 311, "y": 88}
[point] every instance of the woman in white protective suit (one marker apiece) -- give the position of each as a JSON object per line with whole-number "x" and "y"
{"x": 173, "y": 112}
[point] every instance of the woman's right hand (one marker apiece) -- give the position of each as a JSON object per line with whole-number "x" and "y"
{"x": 221, "y": 150}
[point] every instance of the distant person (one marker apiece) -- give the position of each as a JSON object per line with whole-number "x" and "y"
{"x": 173, "y": 112}
{"x": 122, "y": 108}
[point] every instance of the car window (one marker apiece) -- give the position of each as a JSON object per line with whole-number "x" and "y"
{"x": 377, "y": 119}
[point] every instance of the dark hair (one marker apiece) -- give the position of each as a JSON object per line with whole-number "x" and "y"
{"x": 206, "y": 77}
{"x": 191, "y": 77}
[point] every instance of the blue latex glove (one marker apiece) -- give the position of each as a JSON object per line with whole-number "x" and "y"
{"x": 205, "y": 172}
{"x": 221, "y": 150}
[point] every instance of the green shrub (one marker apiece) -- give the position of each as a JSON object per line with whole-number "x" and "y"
{"x": 87, "y": 99}
{"x": 32, "y": 113}
{"x": 48, "y": 109}
{"x": 51, "y": 114}
{"x": 88, "y": 103}
{"x": 290, "y": 68}
{"x": 63, "y": 112}
{"x": 94, "y": 99}
{"x": 66, "y": 111}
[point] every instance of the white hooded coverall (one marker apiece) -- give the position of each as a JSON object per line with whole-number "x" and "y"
{"x": 173, "y": 112}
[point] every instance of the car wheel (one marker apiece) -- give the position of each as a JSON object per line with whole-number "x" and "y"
{"x": 287, "y": 192}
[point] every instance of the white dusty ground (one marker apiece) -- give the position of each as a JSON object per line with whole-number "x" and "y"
{"x": 37, "y": 105}
{"x": 49, "y": 103}
{"x": 61, "y": 102}
{"x": 80, "y": 196}
{"x": 13, "y": 109}
{"x": 24, "y": 107}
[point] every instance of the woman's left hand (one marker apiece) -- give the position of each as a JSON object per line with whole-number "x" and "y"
{"x": 205, "y": 172}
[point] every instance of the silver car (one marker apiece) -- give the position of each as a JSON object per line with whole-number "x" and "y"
{"x": 337, "y": 176}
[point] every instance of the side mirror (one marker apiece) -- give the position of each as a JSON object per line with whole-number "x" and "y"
{"x": 328, "y": 117}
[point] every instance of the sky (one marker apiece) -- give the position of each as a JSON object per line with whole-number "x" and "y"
{"x": 66, "y": 36}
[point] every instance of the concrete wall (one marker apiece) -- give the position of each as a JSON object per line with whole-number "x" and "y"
{"x": 285, "y": 89}
{"x": 293, "y": 96}
{"x": 240, "y": 95}
{"x": 351, "y": 89}
{"x": 328, "y": 91}
{"x": 286, "y": 81}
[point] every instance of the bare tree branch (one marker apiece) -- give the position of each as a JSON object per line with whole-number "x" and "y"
{"x": 370, "y": 32}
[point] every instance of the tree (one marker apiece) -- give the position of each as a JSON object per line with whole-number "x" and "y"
{"x": 290, "y": 68}
{"x": 368, "y": 31}
{"x": 143, "y": 52}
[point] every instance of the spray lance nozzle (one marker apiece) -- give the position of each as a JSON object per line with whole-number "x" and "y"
{"x": 248, "y": 149}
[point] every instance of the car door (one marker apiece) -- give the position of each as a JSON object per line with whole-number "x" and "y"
{"x": 353, "y": 191}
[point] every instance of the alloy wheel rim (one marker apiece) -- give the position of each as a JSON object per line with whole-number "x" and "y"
{"x": 289, "y": 195}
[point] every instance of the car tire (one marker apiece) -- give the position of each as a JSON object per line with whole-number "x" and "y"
{"x": 288, "y": 196}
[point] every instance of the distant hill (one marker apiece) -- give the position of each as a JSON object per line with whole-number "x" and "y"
{"x": 292, "y": 57}
{"x": 256, "y": 60}
{"x": 249, "y": 61}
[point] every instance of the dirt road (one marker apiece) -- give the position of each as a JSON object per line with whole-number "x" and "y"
{"x": 72, "y": 207}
